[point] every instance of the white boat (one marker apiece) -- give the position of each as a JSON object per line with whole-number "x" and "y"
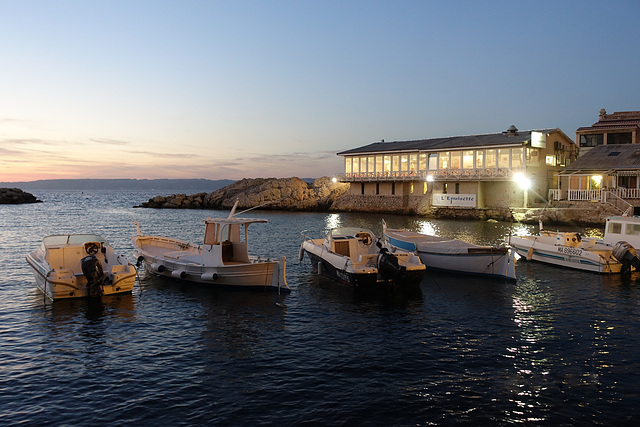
{"x": 223, "y": 259}
{"x": 80, "y": 265}
{"x": 571, "y": 249}
{"x": 454, "y": 256}
{"x": 355, "y": 257}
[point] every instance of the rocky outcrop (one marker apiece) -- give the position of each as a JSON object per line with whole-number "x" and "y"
{"x": 14, "y": 196}
{"x": 268, "y": 193}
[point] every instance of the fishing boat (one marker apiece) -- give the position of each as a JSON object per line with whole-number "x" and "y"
{"x": 452, "y": 255}
{"x": 223, "y": 259}
{"x": 354, "y": 256}
{"x": 573, "y": 250}
{"x": 80, "y": 265}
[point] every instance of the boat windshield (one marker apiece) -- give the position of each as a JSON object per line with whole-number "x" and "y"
{"x": 72, "y": 239}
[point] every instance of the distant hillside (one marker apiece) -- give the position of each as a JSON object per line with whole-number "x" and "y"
{"x": 207, "y": 185}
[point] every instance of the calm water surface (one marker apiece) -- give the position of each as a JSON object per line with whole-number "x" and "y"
{"x": 557, "y": 347}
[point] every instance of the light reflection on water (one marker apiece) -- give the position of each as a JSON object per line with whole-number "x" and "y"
{"x": 555, "y": 347}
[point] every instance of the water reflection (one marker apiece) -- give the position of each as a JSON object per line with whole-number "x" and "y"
{"x": 333, "y": 221}
{"x": 533, "y": 309}
{"x": 427, "y": 227}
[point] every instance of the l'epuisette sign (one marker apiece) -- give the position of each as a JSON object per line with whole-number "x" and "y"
{"x": 458, "y": 200}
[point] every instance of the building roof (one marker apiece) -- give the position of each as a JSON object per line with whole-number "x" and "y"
{"x": 508, "y": 138}
{"x": 607, "y": 158}
{"x": 617, "y": 120}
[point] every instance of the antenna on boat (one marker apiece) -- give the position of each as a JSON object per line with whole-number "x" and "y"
{"x": 233, "y": 209}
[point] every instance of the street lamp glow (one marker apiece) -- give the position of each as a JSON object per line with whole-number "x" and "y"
{"x": 334, "y": 179}
{"x": 429, "y": 178}
{"x": 522, "y": 180}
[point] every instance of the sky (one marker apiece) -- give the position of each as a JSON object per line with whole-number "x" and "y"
{"x": 246, "y": 89}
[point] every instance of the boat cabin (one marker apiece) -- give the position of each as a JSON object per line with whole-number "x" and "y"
{"x": 623, "y": 228}
{"x": 350, "y": 242}
{"x": 228, "y": 239}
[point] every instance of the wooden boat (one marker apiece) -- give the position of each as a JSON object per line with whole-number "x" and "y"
{"x": 223, "y": 259}
{"x": 572, "y": 250}
{"x": 80, "y": 265}
{"x": 355, "y": 257}
{"x": 454, "y": 256}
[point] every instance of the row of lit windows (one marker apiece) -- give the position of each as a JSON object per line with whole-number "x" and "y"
{"x": 502, "y": 158}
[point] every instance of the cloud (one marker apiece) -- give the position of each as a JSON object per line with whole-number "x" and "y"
{"x": 110, "y": 141}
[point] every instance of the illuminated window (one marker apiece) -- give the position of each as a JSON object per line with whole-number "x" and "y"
{"x": 404, "y": 163}
{"x": 422, "y": 159}
{"x": 356, "y": 165}
{"x": 395, "y": 163}
{"x": 378, "y": 164}
{"x": 433, "y": 162}
{"x": 363, "y": 164}
{"x": 370, "y": 164}
{"x": 551, "y": 160}
{"x": 455, "y": 159}
{"x": 347, "y": 164}
{"x": 387, "y": 163}
{"x": 424, "y": 188}
{"x": 516, "y": 157}
{"x": 444, "y": 160}
{"x": 479, "y": 159}
{"x": 490, "y": 159}
{"x": 503, "y": 158}
{"x": 467, "y": 159}
{"x": 413, "y": 163}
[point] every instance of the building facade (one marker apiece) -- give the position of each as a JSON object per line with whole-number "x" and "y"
{"x": 507, "y": 169}
{"x": 611, "y": 129}
{"x": 608, "y": 168}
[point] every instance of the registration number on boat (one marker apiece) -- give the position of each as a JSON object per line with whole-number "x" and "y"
{"x": 570, "y": 251}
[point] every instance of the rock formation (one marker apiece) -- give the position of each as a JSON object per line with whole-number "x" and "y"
{"x": 268, "y": 193}
{"x": 14, "y": 196}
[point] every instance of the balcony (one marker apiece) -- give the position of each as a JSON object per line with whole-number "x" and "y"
{"x": 440, "y": 175}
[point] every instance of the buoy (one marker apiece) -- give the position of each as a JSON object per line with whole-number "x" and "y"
{"x": 320, "y": 267}
{"x": 301, "y": 254}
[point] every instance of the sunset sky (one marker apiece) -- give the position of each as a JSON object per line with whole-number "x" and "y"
{"x": 234, "y": 89}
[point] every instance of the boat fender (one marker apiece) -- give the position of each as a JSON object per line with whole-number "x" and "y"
{"x": 529, "y": 254}
{"x": 320, "y": 268}
{"x": 301, "y": 253}
{"x": 179, "y": 274}
{"x": 139, "y": 261}
{"x": 157, "y": 267}
{"x": 209, "y": 276}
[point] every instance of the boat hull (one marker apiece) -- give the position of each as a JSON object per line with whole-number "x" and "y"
{"x": 357, "y": 280}
{"x": 179, "y": 260}
{"x": 477, "y": 261}
{"x": 361, "y": 274}
{"x": 63, "y": 283}
{"x": 564, "y": 256}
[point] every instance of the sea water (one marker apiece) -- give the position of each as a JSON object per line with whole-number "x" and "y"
{"x": 555, "y": 347}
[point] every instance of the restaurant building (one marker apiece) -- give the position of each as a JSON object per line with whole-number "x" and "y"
{"x": 492, "y": 171}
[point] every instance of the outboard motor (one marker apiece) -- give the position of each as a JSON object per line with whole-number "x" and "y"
{"x": 626, "y": 254}
{"x": 388, "y": 266}
{"x": 92, "y": 270}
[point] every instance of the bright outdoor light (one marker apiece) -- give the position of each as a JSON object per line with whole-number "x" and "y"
{"x": 429, "y": 178}
{"x": 597, "y": 179}
{"x": 522, "y": 180}
{"x": 334, "y": 179}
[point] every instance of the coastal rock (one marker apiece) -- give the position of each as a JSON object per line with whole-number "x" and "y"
{"x": 268, "y": 193}
{"x": 14, "y": 196}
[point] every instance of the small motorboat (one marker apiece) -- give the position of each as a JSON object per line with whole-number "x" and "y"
{"x": 80, "y": 265}
{"x": 223, "y": 259}
{"x": 452, "y": 255}
{"x": 571, "y": 249}
{"x": 355, "y": 257}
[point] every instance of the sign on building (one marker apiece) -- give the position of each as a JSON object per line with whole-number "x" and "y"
{"x": 456, "y": 200}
